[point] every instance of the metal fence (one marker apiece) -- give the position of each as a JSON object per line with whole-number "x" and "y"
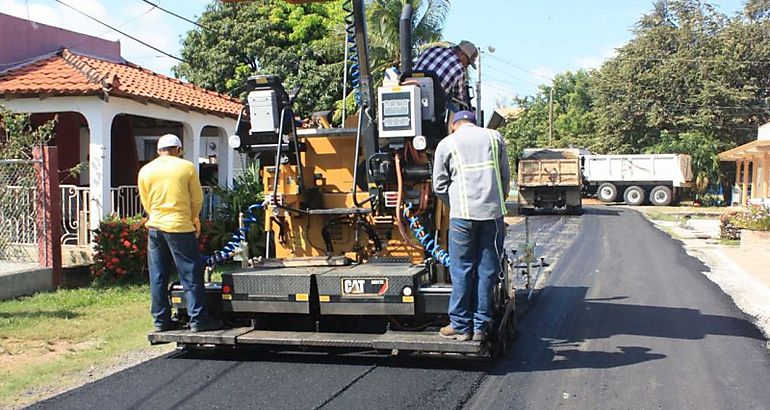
{"x": 20, "y": 219}
{"x": 76, "y": 209}
{"x": 75, "y": 213}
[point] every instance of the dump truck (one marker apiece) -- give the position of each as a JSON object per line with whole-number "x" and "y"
{"x": 659, "y": 178}
{"x": 356, "y": 237}
{"x": 550, "y": 179}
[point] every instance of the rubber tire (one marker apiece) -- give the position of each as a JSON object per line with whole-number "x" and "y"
{"x": 612, "y": 192}
{"x": 634, "y": 195}
{"x": 661, "y": 190}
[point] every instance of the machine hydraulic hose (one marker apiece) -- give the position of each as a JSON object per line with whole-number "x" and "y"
{"x": 228, "y": 251}
{"x": 355, "y": 68}
{"x": 426, "y": 240}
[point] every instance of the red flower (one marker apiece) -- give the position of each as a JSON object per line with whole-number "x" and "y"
{"x": 115, "y": 260}
{"x": 127, "y": 244}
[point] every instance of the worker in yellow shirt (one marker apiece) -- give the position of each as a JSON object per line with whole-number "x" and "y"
{"x": 172, "y": 197}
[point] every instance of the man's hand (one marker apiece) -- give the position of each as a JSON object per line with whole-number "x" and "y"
{"x": 197, "y": 225}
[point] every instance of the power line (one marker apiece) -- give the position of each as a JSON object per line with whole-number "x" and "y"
{"x": 195, "y": 23}
{"x": 689, "y": 60}
{"x": 506, "y": 74}
{"x": 121, "y": 32}
{"x": 488, "y": 84}
{"x": 494, "y": 57}
{"x": 129, "y": 20}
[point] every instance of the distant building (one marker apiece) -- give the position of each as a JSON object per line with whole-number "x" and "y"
{"x": 752, "y": 162}
{"x": 501, "y": 115}
{"x": 110, "y": 113}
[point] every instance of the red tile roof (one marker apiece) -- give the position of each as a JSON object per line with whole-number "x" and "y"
{"x": 68, "y": 73}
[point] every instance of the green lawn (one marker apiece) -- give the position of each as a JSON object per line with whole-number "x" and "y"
{"x": 49, "y": 335}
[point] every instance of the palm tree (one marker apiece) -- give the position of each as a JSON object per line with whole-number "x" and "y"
{"x": 383, "y": 18}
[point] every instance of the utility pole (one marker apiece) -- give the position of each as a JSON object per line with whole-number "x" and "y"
{"x": 550, "y": 118}
{"x": 480, "y": 113}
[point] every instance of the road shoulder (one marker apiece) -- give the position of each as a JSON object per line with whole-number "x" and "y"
{"x": 741, "y": 275}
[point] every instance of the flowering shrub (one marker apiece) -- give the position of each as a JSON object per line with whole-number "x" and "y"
{"x": 209, "y": 239}
{"x": 728, "y": 227}
{"x": 754, "y": 218}
{"x": 120, "y": 249}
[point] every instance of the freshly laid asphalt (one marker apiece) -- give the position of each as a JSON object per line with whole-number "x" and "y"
{"x": 626, "y": 320}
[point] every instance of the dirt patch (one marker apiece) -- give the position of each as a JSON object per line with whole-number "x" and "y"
{"x": 17, "y": 353}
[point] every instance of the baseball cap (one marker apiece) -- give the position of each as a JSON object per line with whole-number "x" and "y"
{"x": 470, "y": 50}
{"x": 168, "y": 141}
{"x": 464, "y": 115}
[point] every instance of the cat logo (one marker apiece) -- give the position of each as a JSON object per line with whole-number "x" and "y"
{"x": 353, "y": 286}
{"x": 364, "y": 287}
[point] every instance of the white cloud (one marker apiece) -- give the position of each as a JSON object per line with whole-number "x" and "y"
{"x": 495, "y": 94}
{"x": 542, "y": 75}
{"x": 152, "y": 27}
{"x": 596, "y": 61}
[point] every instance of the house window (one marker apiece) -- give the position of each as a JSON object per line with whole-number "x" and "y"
{"x": 150, "y": 149}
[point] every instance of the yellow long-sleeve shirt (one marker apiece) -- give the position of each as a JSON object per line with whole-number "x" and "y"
{"x": 171, "y": 194}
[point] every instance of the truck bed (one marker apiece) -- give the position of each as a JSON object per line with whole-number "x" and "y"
{"x": 549, "y": 172}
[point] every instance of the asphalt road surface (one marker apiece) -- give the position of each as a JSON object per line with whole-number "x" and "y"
{"x": 626, "y": 321}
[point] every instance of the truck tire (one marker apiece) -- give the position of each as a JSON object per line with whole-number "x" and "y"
{"x": 661, "y": 195}
{"x": 607, "y": 192}
{"x": 634, "y": 196}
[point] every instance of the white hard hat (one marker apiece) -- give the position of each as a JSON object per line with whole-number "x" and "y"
{"x": 168, "y": 141}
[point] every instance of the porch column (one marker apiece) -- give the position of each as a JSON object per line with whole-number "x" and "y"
{"x": 226, "y": 158}
{"x": 765, "y": 176}
{"x": 744, "y": 181}
{"x": 191, "y": 139}
{"x": 99, "y": 173}
{"x": 754, "y": 173}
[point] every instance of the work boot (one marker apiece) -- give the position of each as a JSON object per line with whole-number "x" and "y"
{"x": 173, "y": 325}
{"x": 211, "y": 324}
{"x": 480, "y": 336}
{"x": 448, "y": 332}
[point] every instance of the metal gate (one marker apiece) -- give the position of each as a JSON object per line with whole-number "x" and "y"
{"x": 21, "y": 216}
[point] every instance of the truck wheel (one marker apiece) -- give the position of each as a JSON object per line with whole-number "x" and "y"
{"x": 634, "y": 195}
{"x": 661, "y": 196}
{"x": 607, "y": 192}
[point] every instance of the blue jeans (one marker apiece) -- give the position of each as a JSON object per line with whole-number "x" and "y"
{"x": 475, "y": 248}
{"x": 182, "y": 250}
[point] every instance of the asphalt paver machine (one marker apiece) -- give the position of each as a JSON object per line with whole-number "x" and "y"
{"x": 357, "y": 235}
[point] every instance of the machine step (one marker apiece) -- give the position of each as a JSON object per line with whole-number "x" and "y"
{"x": 406, "y": 341}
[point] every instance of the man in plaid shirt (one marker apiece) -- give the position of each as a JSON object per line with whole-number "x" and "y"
{"x": 449, "y": 65}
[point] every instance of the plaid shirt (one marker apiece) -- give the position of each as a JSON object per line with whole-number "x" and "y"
{"x": 444, "y": 62}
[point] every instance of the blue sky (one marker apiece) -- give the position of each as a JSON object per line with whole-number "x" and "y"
{"x": 533, "y": 39}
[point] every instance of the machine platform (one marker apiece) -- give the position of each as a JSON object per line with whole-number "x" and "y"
{"x": 405, "y": 341}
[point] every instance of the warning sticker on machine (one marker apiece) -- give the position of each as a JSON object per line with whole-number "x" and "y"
{"x": 364, "y": 286}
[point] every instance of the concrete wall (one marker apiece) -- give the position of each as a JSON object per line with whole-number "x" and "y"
{"x": 17, "y": 284}
{"x": 22, "y": 39}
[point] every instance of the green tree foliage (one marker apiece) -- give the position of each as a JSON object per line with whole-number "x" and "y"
{"x": 301, "y": 43}
{"x": 384, "y": 17}
{"x": 17, "y": 137}
{"x": 573, "y": 116}
{"x": 691, "y": 80}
